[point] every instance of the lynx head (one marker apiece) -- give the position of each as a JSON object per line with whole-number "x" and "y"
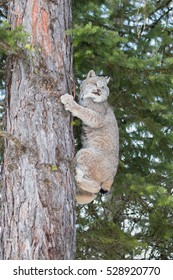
{"x": 95, "y": 88}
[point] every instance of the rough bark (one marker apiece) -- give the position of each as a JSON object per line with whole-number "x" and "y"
{"x": 38, "y": 197}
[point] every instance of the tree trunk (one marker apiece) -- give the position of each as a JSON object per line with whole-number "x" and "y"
{"x": 38, "y": 197}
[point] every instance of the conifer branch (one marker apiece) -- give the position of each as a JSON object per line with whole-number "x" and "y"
{"x": 156, "y": 21}
{"x": 4, "y": 45}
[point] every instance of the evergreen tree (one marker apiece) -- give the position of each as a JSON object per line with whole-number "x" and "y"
{"x": 38, "y": 195}
{"x": 131, "y": 41}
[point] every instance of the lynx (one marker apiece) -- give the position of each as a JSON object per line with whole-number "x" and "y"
{"x": 96, "y": 163}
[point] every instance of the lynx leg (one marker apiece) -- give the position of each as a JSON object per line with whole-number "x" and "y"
{"x": 85, "y": 183}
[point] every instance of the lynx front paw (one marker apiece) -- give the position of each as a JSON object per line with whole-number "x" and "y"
{"x": 68, "y": 101}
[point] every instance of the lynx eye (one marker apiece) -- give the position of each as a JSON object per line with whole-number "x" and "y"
{"x": 95, "y": 84}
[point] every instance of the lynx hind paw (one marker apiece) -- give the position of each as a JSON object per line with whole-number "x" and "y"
{"x": 85, "y": 198}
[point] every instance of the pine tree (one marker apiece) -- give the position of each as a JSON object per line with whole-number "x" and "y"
{"x": 38, "y": 196}
{"x": 131, "y": 41}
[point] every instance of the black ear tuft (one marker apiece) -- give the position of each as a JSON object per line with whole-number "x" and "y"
{"x": 107, "y": 79}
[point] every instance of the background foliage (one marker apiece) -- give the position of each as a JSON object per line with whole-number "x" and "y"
{"x": 130, "y": 41}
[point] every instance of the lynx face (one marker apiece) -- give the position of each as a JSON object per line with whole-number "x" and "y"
{"x": 94, "y": 87}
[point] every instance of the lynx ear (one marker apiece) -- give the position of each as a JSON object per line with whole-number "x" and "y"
{"x": 107, "y": 79}
{"x": 91, "y": 74}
